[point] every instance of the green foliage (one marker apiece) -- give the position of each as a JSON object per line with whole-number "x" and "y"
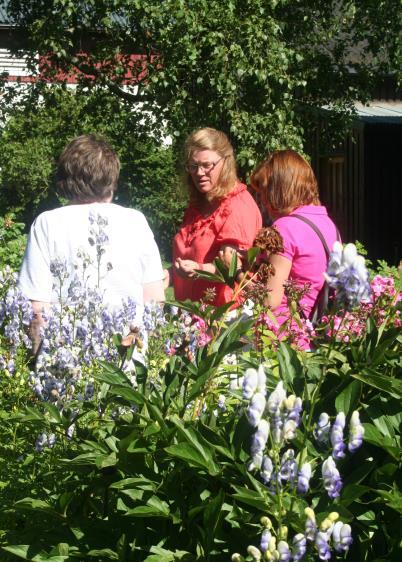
{"x": 259, "y": 70}
{"x": 12, "y": 242}
{"x": 156, "y": 471}
{"x": 40, "y": 124}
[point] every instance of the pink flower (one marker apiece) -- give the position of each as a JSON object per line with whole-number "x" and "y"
{"x": 383, "y": 286}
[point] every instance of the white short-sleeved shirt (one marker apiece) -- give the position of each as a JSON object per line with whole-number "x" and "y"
{"x": 62, "y": 233}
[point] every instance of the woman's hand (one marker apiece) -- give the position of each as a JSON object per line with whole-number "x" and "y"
{"x": 225, "y": 254}
{"x": 186, "y": 268}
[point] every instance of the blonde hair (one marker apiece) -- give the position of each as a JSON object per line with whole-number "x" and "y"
{"x": 211, "y": 139}
{"x": 286, "y": 181}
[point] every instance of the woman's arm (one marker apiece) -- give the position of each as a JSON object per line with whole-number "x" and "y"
{"x": 37, "y": 322}
{"x": 276, "y": 282}
{"x": 153, "y": 291}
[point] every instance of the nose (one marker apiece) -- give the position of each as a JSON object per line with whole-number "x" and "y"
{"x": 200, "y": 171}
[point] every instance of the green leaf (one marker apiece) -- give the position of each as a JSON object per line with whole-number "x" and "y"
{"x": 352, "y": 492}
{"x": 146, "y": 511}
{"x": 193, "y": 457}
{"x": 105, "y": 553}
{"x": 381, "y": 382}
{"x": 111, "y": 374}
{"x": 251, "y": 497}
{"x": 53, "y": 413}
{"x": 212, "y": 518}
{"x": 24, "y": 551}
{"x": 131, "y": 395}
{"x": 31, "y": 504}
{"x": 103, "y": 461}
{"x": 348, "y": 399}
{"x": 373, "y": 435}
{"x": 392, "y": 499}
{"x": 290, "y": 366}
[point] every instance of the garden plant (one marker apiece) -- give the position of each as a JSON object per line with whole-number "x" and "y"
{"x": 200, "y": 434}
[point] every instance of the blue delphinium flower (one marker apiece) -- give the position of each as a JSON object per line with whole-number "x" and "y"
{"x": 288, "y": 469}
{"x": 356, "y": 432}
{"x": 267, "y": 469}
{"x": 322, "y": 544}
{"x": 299, "y": 546}
{"x": 310, "y": 524}
{"x": 254, "y": 381}
{"x": 256, "y": 409}
{"x": 322, "y": 428}
{"x": 338, "y": 451}
{"x": 303, "y": 478}
{"x": 265, "y": 538}
{"x": 153, "y": 316}
{"x": 342, "y": 537}
{"x": 331, "y": 477}
{"x": 284, "y": 551}
{"x": 41, "y": 442}
{"x": 348, "y": 275}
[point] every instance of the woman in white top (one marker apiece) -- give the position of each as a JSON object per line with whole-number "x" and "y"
{"x": 87, "y": 175}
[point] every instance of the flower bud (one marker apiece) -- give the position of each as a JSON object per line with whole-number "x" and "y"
{"x": 283, "y": 532}
{"x": 266, "y": 522}
{"x": 254, "y": 552}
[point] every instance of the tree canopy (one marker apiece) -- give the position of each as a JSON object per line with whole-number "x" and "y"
{"x": 259, "y": 69}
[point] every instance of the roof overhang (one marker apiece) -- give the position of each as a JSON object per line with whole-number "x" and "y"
{"x": 380, "y": 111}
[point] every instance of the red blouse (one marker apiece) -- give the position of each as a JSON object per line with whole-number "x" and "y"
{"x": 235, "y": 222}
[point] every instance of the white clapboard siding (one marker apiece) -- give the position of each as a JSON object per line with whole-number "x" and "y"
{"x": 12, "y": 65}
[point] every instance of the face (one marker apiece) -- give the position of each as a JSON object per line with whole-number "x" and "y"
{"x": 205, "y": 167}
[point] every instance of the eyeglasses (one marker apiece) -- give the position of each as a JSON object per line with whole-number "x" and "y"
{"x": 206, "y": 166}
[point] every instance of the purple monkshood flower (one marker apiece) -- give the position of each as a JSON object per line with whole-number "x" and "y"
{"x": 321, "y": 542}
{"x": 276, "y": 398}
{"x": 322, "y": 428}
{"x": 299, "y": 546}
{"x": 303, "y": 478}
{"x": 284, "y": 551}
{"x": 58, "y": 268}
{"x": 294, "y": 406}
{"x": 250, "y": 383}
{"x": 153, "y": 316}
{"x": 356, "y": 432}
{"x": 310, "y": 525}
{"x": 267, "y": 468}
{"x": 331, "y": 477}
{"x": 256, "y": 409}
{"x": 41, "y": 442}
{"x": 259, "y": 438}
{"x": 348, "y": 275}
{"x": 342, "y": 536}
{"x": 265, "y": 538}
{"x": 289, "y": 468}
{"x": 277, "y": 428}
{"x": 337, "y": 443}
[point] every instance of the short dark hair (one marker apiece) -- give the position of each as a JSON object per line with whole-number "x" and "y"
{"x": 88, "y": 170}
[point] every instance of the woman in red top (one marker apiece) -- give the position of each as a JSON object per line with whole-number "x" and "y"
{"x": 221, "y": 213}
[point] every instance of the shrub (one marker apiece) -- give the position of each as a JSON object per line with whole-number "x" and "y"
{"x": 213, "y": 449}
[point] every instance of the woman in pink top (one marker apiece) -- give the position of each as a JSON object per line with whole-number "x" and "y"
{"x": 221, "y": 213}
{"x": 288, "y": 186}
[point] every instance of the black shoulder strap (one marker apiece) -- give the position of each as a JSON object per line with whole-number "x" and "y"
{"x": 317, "y": 231}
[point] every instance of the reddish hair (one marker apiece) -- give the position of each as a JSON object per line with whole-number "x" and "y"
{"x": 286, "y": 181}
